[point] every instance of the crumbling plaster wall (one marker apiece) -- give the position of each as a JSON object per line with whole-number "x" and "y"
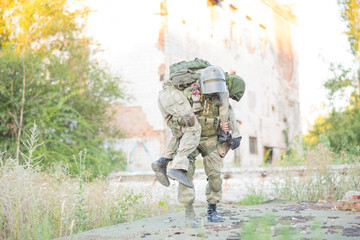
{"x": 129, "y": 33}
{"x": 254, "y": 39}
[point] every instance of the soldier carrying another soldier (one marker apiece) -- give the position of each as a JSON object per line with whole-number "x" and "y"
{"x": 195, "y": 105}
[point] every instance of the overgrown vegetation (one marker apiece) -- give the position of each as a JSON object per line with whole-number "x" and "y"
{"x": 271, "y": 227}
{"x": 253, "y": 197}
{"x": 318, "y": 178}
{"x": 49, "y": 74}
{"x": 37, "y": 204}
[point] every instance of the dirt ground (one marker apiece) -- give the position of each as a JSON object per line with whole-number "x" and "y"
{"x": 275, "y": 220}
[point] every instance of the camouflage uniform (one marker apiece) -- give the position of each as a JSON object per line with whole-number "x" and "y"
{"x": 209, "y": 121}
{"x": 173, "y": 105}
{"x": 215, "y": 109}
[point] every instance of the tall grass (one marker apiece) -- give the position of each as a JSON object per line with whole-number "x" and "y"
{"x": 319, "y": 177}
{"x": 35, "y": 204}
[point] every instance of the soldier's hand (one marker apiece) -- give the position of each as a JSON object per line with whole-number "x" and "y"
{"x": 187, "y": 120}
{"x": 225, "y": 127}
{"x": 235, "y": 143}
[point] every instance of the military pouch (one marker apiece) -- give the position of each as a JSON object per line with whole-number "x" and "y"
{"x": 223, "y": 148}
{"x": 209, "y": 126}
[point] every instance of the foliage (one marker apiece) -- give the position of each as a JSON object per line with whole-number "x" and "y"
{"x": 318, "y": 177}
{"x": 268, "y": 227}
{"x": 45, "y": 56}
{"x": 342, "y": 125}
{"x": 37, "y": 204}
{"x": 342, "y": 86}
{"x": 339, "y": 129}
{"x": 252, "y": 197}
{"x": 350, "y": 14}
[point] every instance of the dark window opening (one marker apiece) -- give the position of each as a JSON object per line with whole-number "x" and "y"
{"x": 253, "y": 145}
{"x": 268, "y": 155}
{"x": 162, "y": 77}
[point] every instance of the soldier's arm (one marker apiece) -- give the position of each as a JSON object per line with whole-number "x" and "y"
{"x": 234, "y": 126}
{"x": 224, "y": 107}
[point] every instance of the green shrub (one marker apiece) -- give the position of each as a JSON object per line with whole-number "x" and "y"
{"x": 253, "y": 198}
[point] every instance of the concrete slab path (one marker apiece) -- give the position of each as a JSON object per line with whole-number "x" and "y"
{"x": 302, "y": 220}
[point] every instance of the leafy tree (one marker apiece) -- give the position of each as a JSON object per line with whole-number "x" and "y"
{"x": 350, "y": 13}
{"x": 341, "y": 127}
{"x": 48, "y": 74}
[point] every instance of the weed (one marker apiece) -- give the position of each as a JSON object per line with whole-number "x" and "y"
{"x": 270, "y": 227}
{"x": 319, "y": 178}
{"x": 253, "y": 198}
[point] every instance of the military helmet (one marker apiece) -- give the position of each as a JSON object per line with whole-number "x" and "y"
{"x": 212, "y": 80}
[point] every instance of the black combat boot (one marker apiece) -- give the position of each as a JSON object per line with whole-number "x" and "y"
{"x": 212, "y": 214}
{"x": 179, "y": 175}
{"x": 159, "y": 167}
{"x": 190, "y": 216}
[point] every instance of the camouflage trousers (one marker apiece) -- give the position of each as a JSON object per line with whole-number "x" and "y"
{"x": 212, "y": 167}
{"x": 173, "y": 105}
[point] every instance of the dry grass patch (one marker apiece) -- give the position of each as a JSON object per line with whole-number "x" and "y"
{"x": 319, "y": 177}
{"x": 35, "y": 204}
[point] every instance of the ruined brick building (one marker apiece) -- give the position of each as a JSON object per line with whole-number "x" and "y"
{"x": 254, "y": 39}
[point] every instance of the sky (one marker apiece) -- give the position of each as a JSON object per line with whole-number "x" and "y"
{"x": 321, "y": 40}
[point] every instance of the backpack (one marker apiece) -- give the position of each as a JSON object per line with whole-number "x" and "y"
{"x": 195, "y": 64}
{"x": 184, "y": 78}
{"x": 182, "y": 74}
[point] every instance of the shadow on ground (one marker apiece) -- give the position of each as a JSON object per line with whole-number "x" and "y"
{"x": 275, "y": 220}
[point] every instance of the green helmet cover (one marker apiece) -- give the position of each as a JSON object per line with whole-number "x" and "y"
{"x": 236, "y": 86}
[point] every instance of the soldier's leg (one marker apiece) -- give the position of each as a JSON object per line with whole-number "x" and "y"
{"x": 160, "y": 166}
{"x": 173, "y": 103}
{"x": 173, "y": 106}
{"x": 212, "y": 167}
{"x": 188, "y": 143}
{"x": 171, "y": 148}
{"x": 186, "y": 196}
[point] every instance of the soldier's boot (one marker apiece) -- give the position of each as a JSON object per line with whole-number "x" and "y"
{"x": 190, "y": 216}
{"x": 159, "y": 166}
{"x": 179, "y": 175}
{"x": 213, "y": 216}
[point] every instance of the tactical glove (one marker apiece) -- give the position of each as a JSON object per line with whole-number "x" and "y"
{"x": 223, "y": 137}
{"x": 187, "y": 120}
{"x": 235, "y": 142}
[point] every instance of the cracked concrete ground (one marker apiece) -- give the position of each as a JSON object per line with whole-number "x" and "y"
{"x": 303, "y": 220}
